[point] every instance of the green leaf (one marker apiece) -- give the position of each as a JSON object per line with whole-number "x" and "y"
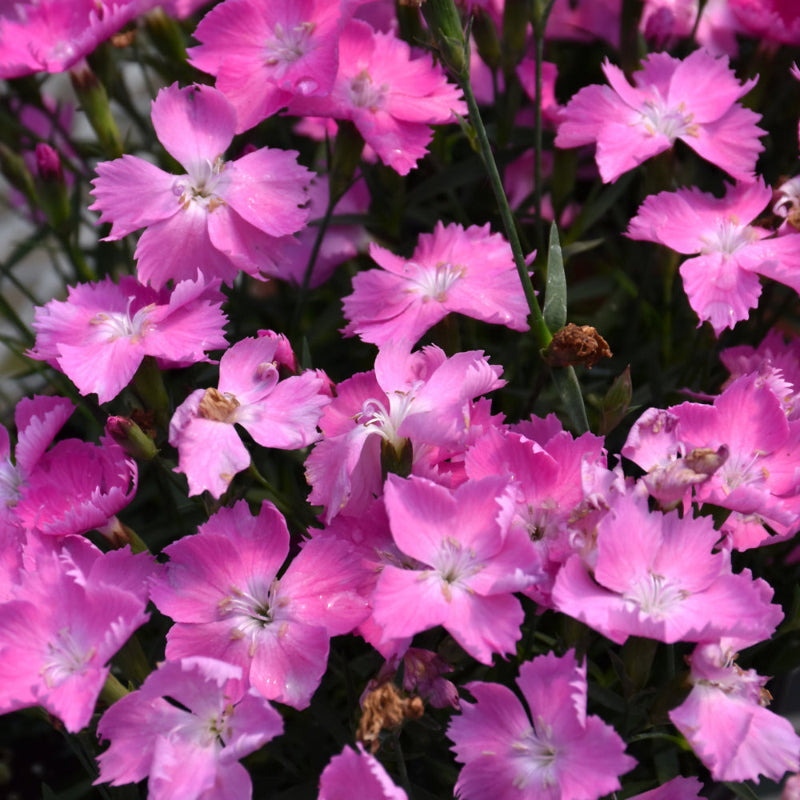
{"x": 615, "y": 404}
{"x": 555, "y": 299}
{"x": 569, "y": 391}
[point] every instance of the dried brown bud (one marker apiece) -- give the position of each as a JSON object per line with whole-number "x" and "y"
{"x": 385, "y": 708}
{"x": 575, "y": 344}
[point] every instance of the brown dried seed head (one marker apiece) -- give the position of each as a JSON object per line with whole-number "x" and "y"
{"x": 385, "y": 708}
{"x": 575, "y": 344}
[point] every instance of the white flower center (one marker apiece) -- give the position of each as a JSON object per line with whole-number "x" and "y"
{"x": 385, "y": 423}
{"x": 434, "y": 282}
{"x": 252, "y": 611}
{"x": 658, "y": 117}
{"x": 288, "y": 45}
{"x": 113, "y": 325}
{"x": 364, "y": 93}
{"x": 729, "y": 236}
{"x": 656, "y": 596}
{"x": 199, "y": 188}
{"x": 65, "y": 657}
{"x": 535, "y": 759}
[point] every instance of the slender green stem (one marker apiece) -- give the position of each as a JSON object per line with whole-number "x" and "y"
{"x": 540, "y": 331}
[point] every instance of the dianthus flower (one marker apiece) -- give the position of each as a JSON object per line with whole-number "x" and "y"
{"x": 773, "y": 20}
{"x": 70, "y": 612}
{"x": 185, "y": 731}
{"x": 693, "y": 100}
{"x": 264, "y": 54}
{"x": 222, "y": 590}
{"x": 276, "y": 413}
{"x": 391, "y": 98}
{"x": 559, "y": 753}
{"x": 721, "y": 281}
{"x": 463, "y": 563}
{"x": 220, "y": 217}
{"x": 468, "y": 271}
{"x": 99, "y": 335}
{"x": 726, "y": 721}
{"x": 657, "y": 576}
{"x": 53, "y": 35}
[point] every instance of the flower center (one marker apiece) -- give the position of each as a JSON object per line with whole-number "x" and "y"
{"x": 536, "y": 758}
{"x": 434, "y": 282}
{"x": 252, "y": 611}
{"x": 217, "y": 406}
{"x": 64, "y": 658}
{"x": 657, "y": 117}
{"x": 364, "y": 93}
{"x": 288, "y": 45}
{"x": 199, "y": 187}
{"x": 455, "y": 564}
{"x": 385, "y": 423}
{"x": 656, "y": 596}
{"x": 729, "y": 236}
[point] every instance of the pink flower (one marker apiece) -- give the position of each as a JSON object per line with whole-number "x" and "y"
{"x": 773, "y": 20}
{"x": 677, "y": 789}
{"x": 726, "y": 721}
{"x": 222, "y": 590}
{"x": 469, "y": 271}
{"x": 185, "y": 731}
{"x": 693, "y": 100}
{"x": 264, "y": 54}
{"x": 220, "y": 217}
{"x": 656, "y": 576}
{"x": 52, "y": 35}
{"x": 391, "y": 98}
{"x": 356, "y": 768}
{"x": 422, "y": 400}
{"x": 559, "y": 753}
{"x": 62, "y": 627}
{"x": 463, "y": 563}
{"x": 721, "y": 281}
{"x": 100, "y": 334}
{"x": 276, "y": 413}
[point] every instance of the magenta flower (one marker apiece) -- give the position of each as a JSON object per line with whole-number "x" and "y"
{"x": 391, "y": 98}
{"x": 773, "y": 20}
{"x": 656, "y": 575}
{"x": 264, "y": 54}
{"x": 557, "y": 754}
{"x": 677, "y": 789}
{"x": 99, "y": 335}
{"x": 468, "y": 271}
{"x": 462, "y": 565}
{"x": 53, "y": 35}
{"x": 726, "y": 721}
{"x": 65, "y": 622}
{"x": 693, "y": 100}
{"x": 185, "y": 731}
{"x": 357, "y": 768}
{"x": 222, "y": 590}
{"x": 721, "y": 281}
{"x": 220, "y": 217}
{"x": 276, "y": 413}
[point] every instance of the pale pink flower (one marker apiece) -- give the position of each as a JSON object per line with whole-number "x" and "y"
{"x": 464, "y": 562}
{"x": 185, "y": 730}
{"x": 558, "y": 753}
{"x": 64, "y": 624}
{"x": 357, "y": 768}
{"x": 276, "y": 413}
{"x": 422, "y": 402}
{"x": 392, "y": 98}
{"x": 694, "y": 100}
{"x": 772, "y": 20}
{"x": 679, "y": 788}
{"x": 468, "y": 271}
{"x": 721, "y": 281}
{"x": 99, "y": 335}
{"x": 657, "y": 576}
{"x": 220, "y": 217}
{"x": 222, "y": 590}
{"x": 53, "y": 35}
{"x": 726, "y": 721}
{"x": 264, "y": 54}
{"x": 585, "y": 21}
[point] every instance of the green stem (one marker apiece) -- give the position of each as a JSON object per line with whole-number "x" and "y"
{"x": 539, "y": 328}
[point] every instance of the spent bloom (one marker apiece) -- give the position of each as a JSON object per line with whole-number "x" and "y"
{"x": 694, "y": 100}
{"x": 558, "y": 753}
{"x": 721, "y": 280}
{"x": 218, "y": 218}
{"x": 468, "y": 271}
